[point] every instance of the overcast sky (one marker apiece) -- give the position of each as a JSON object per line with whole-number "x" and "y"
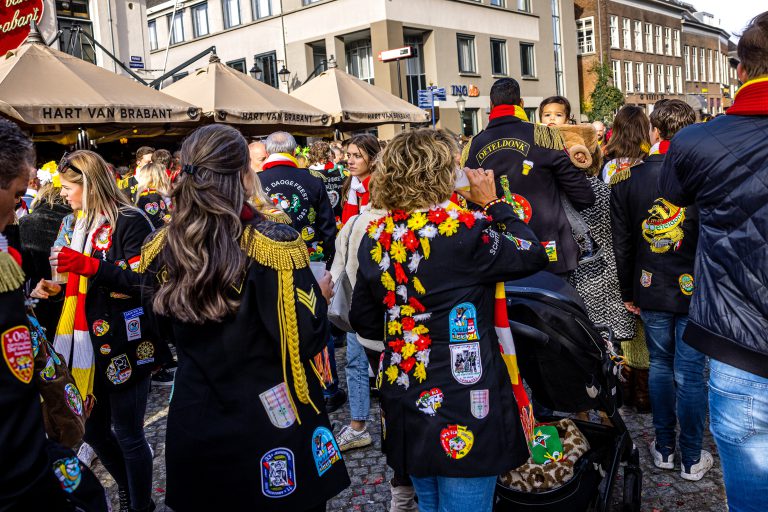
{"x": 733, "y": 14}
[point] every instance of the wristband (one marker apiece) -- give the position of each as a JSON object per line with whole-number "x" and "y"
{"x": 494, "y": 202}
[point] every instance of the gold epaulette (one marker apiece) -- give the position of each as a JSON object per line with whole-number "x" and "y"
{"x": 465, "y": 152}
{"x": 276, "y": 215}
{"x": 274, "y": 254}
{"x": 546, "y": 137}
{"x": 317, "y": 174}
{"x": 151, "y": 249}
{"x": 11, "y": 275}
{"x": 620, "y": 176}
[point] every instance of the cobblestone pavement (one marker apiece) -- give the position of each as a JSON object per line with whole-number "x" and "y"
{"x": 663, "y": 491}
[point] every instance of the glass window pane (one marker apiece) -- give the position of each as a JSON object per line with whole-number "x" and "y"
{"x": 527, "y": 67}
{"x": 152, "y": 26}
{"x": 231, "y": 13}
{"x": 200, "y": 19}
{"x": 498, "y": 57}
{"x": 262, "y": 8}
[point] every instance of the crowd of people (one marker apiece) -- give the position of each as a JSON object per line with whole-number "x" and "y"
{"x": 235, "y": 270}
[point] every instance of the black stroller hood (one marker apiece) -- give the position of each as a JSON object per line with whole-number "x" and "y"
{"x": 561, "y": 354}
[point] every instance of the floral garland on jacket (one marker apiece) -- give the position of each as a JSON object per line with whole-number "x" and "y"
{"x": 404, "y": 239}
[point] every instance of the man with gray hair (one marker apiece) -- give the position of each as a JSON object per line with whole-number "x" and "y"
{"x": 600, "y": 129}
{"x": 280, "y": 142}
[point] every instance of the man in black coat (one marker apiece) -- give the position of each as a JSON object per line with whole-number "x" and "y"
{"x": 532, "y": 168}
{"x": 301, "y": 195}
{"x": 722, "y": 167}
{"x": 655, "y": 245}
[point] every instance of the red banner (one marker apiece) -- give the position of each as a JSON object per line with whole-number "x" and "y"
{"x": 15, "y": 17}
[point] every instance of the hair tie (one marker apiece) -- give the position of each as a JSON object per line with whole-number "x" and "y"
{"x": 189, "y": 168}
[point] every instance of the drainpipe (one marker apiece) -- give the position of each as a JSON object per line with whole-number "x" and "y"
{"x": 600, "y": 31}
{"x": 170, "y": 33}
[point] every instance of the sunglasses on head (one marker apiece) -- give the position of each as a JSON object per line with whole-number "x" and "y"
{"x": 65, "y": 164}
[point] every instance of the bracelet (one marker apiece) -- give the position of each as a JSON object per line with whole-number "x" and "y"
{"x": 494, "y": 202}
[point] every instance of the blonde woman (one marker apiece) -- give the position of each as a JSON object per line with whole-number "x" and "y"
{"x": 153, "y": 193}
{"x": 103, "y": 330}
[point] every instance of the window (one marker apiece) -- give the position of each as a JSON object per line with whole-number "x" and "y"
{"x": 152, "y": 29}
{"x": 616, "y": 68}
{"x": 524, "y": 5}
{"x": 648, "y": 38}
{"x": 638, "y": 36}
{"x": 176, "y": 27}
{"x": 660, "y": 77}
{"x": 628, "y": 78}
{"x": 657, "y": 34}
{"x": 238, "y": 64}
{"x": 670, "y": 83}
{"x": 718, "y": 61}
{"x": 71, "y": 8}
{"x": 231, "y": 13}
{"x": 360, "y": 60}
{"x": 527, "y": 61}
{"x": 668, "y": 40}
{"x": 498, "y": 57}
{"x": 640, "y": 77}
{"x": 703, "y": 62}
{"x": 614, "y": 29}
{"x": 200, "y": 20}
{"x": 710, "y": 70}
{"x": 695, "y": 64}
{"x": 679, "y": 79}
{"x": 676, "y": 42}
{"x": 469, "y": 122}
{"x": 415, "y": 75}
{"x": 585, "y": 34}
{"x": 650, "y": 79}
{"x": 262, "y": 9}
{"x": 626, "y": 32}
{"x": 498, "y": 3}
{"x": 307, "y": 2}
{"x": 687, "y": 50}
{"x": 267, "y": 63}
{"x": 74, "y": 42}
{"x": 466, "y": 48}
{"x": 557, "y": 46}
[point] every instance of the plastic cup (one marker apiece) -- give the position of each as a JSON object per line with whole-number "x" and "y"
{"x": 318, "y": 269}
{"x": 56, "y": 276}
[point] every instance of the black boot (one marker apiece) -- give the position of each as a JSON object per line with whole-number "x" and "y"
{"x": 124, "y": 500}
{"x": 590, "y": 250}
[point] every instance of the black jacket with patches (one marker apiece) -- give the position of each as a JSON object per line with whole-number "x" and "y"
{"x": 303, "y": 197}
{"x": 155, "y": 206}
{"x": 232, "y": 423}
{"x": 447, "y": 402}
{"x": 654, "y": 240}
{"x": 532, "y": 169}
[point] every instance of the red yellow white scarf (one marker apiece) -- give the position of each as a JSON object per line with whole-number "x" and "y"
{"x": 276, "y": 159}
{"x": 751, "y": 99}
{"x": 508, "y": 110}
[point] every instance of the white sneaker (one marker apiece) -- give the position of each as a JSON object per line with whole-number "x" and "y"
{"x": 350, "y": 438}
{"x": 698, "y": 470}
{"x": 86, "y": 454}
{"x": 659, "y": 460}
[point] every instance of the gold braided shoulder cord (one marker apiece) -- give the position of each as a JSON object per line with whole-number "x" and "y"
{"x": 465, "y": 153}
{"x": 151, "y": 249}
{"x": 11, "y": 275}
{"x": 547, "y": 137}
{"x": 273, "y": 254}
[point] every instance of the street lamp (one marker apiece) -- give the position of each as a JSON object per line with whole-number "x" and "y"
{"x": 461, "y": 105}
{"x": 284, "y": 75}
{"x": 256, "y": 72}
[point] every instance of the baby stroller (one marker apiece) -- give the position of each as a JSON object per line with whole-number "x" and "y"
{"x": 569, "y": 367}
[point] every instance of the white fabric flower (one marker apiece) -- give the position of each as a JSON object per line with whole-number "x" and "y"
{"x": 402, "y": 291}
{"x": 395, "y": 359}
{"x": 453, "y": 213}
{"x": 384, "y": 263}
{"x": 400, "y": 231}
{"x": 394, "y": 312}
{"x": 403, "y": 380}
{"x": 429, "y": 231}
{"x": 423, "y": 357}
{"x": 413, "y": 264}
{"x": 423, "y": 317}
{"x": 410, "y": 337}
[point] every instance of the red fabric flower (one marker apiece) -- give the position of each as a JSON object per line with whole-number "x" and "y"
{"x": 467, "y": 219}
{"x": 407, "y": 364}
{"x": 415, "y": 304}
{"x": 389, "y": 299}
{"x": 397, "y": 345}
{"x": 485, "y": 238}
{"x": 437, "y": 216}
{"x": 385, "y": 240}
{"x": 408, "y": 323}
{"x": 399, "y": 215}
{"x": 423, "y": 342}
{"x": 400, "y": 276}
{"x": 410, "y": 241}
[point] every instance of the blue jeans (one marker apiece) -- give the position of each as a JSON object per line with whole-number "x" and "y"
{"x": 332, "y": 388}
{"x": 124, "y": 451}
{"x": 445, "y": 494}
{"x": 738, "y": 415}
{"x": 676, "y": 385}
{"x": 357, "y": 379}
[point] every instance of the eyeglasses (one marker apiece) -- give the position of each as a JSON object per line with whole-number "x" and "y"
{"x": 65, "y": 164}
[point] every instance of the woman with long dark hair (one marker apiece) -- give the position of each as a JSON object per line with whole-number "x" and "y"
{"x": 362, "y": 152}
{"x": 234, "y": 292}
{"x": 630, "y": 141}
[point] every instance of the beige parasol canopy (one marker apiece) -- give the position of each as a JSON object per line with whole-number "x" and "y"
{"x": 229, "y": 96}
{"x": 353, "y": 103}
{"x": 43, "y": 86}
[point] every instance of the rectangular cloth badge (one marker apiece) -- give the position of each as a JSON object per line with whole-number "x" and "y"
{"x": 278, "y": 406}
{"x": 551, "y": 248}
{"x": 133, "y": 323}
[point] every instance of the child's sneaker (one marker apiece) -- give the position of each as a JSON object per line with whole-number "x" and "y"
{"x": 660, "y": 460}
{"x": 698, "y": 470}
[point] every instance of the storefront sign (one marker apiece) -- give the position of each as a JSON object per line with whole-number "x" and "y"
{"x": 465, "y": 90}
{"x": 15, "y": 17}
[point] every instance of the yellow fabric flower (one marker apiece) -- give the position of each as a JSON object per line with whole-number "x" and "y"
{"x": 420, "y": 372}
{"x": 372, "y": 228}
{"x": 376, "y": 253}
{"x": 408, "y": 350}
{"x": 420, "y": 329}
{"x": 407, "y": 311}
{"x": 389, "y": 226}
{"x": 425, "y": 248}
{"x": 418, "y": 286}
{"x": 398, "y": 252}
{"x": 394, "y": 327}
{"x": 387, "y": 281}
{"x": 448, "y": 227}
{"x": 417, "y": 221}
{"x": 392, "y": 373}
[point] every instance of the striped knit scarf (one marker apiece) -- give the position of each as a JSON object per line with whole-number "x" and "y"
{"x": 73, "y": 339}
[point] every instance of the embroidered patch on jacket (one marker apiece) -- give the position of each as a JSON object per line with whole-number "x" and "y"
{"x": 479, "y": 403}
{"x": 278, "y": 473}
{"x": 133, "y": 323}
{"x": 466, "y": 365}
{"x": 309, "y": 298}
{"x": 119, "y": 369}
{"x": 307, "y": 233}
{"x": 68, "y": 472}
{"x": 686, "y": 284}
{"x": 17, "y": 352}
{"x": 463, "y": 323}
{"x": 152, "y": 208}
{"x": 430, "y": 401}
{"x": 646, "y": 278}
{"x": 324, "y": 449}
{"x": 278, "y": 406}
{"x": 551, "y": 248}
{"x": 105, "y": 349}
{"x": 527, "y": 166}
{"x": 520, "y": 204}
{"x": 145, "y": 353}
{"x": 48, "y": 373}
{"x": 100, "y": 327}
{"x": 521, "y": 244}
{"x": 74, "y": 400}
{"x": 102, "y": 238}
{"x": 457, "y": 441}
{"x": 506, "y": 144}
{"x": 663, "y": 229}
